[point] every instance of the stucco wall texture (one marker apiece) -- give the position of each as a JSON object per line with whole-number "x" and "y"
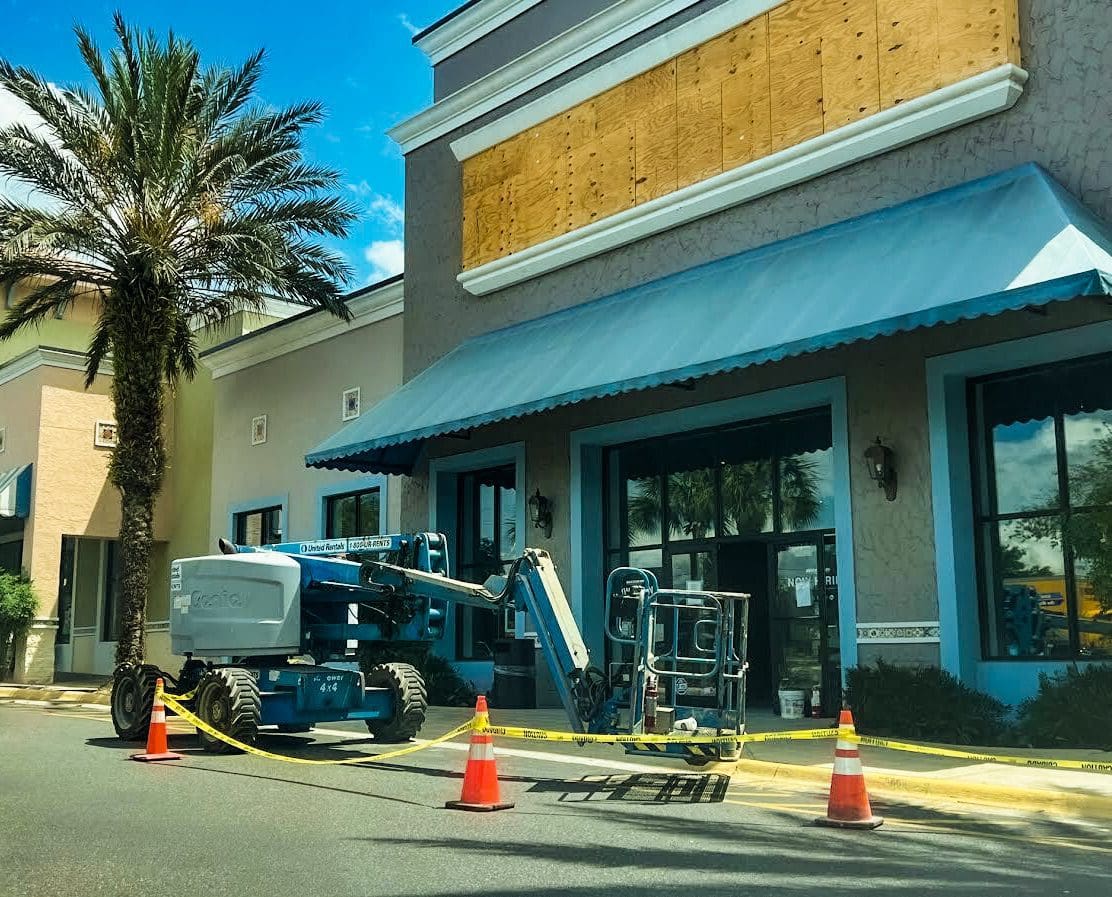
{"x": 1063, "y": 121}
{"x": 300, "y": 393}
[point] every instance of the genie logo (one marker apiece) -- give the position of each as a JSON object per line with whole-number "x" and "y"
{"x": 223, "y": 598}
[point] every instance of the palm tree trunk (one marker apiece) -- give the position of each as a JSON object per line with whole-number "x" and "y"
{"x": 136, "y": 470}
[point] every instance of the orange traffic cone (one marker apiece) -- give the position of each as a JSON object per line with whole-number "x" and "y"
{"x": 157, "y": 748}
{"x": 480, "y": 778}
{"x": 849, "y": 801}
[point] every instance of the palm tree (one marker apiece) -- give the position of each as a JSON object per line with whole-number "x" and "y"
{"x": 172, "y": 200}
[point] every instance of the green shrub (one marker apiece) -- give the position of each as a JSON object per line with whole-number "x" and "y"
{"x": 446, "y": 687}
{"x": 17, "y": 612}
{"x": 1071, "y": 710}
{"x": 924, "y": 703}
{"x": 17, "y": 603}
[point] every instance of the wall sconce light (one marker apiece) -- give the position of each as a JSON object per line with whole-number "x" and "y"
{"x": 540, "y": 512}
{"x": 882, "y": 468}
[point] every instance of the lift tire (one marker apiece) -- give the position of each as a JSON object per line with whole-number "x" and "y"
{"x": 410, "y": 701}
{"x": 228, "y": 700}
{"x": 132, "y": 699}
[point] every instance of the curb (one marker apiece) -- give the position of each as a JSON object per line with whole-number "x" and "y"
{"x": 54, "y": 695}
{"x": 1075, "y": 803}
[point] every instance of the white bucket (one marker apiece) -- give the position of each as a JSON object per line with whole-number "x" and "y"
{"x": 791, "y": 703}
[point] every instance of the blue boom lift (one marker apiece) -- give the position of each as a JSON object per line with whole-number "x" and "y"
{"x": 245, "y": 619}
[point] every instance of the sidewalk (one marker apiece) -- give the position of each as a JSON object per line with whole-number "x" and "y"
{"x": 886, "y": 771}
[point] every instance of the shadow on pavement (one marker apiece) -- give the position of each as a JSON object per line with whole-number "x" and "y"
{"x": 787, "y": 857}
{"x": 645, "y": 788}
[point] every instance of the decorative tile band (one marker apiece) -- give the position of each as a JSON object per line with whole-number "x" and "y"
{"x": 920, "y": 632}
{"x": 158, "y": 626}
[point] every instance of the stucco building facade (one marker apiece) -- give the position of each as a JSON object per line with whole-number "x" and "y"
{"x": 59, "y": 514}
{"x": 612, "y": 179}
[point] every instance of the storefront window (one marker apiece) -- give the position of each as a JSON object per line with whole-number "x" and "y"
{"x": 353, "y": 514}
{"x": 767, "y": 477}
{"x": 261, "y": 527}
{"x": 1043, "y": 466}
{"x": 487, "y": 535}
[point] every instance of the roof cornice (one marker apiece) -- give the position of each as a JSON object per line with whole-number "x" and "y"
{"x": 47, "y": 356}
{"x": 562, "y": 53}
{"x": 304, "y": 330}
{"x": 462, "y": 29}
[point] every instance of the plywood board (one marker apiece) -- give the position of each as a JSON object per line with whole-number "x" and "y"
{"x": 600, "y": 177}
{"x": 973, "y": 37}
{"x": 698, "y": 134}
{"x": 908, "y": 49}
{"x": 746, "y": 117}
{"x": 850, "y": 80}
{"x": 655, "y": 154}
{"x": 799, "y": 22}
{"x": 795, "y": 88}
{"x": 708, "y": 64}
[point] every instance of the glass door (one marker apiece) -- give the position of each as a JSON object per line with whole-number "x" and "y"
{"x": 804, "y": 619}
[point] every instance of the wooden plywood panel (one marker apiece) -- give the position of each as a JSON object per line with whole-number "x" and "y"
{"x": 601, "y": 177}
{"x": 799, "y": 22}
{"x": 490, "y": 223}
{"x": 698, "y": 134}
{"x": 795, "y": 88}
{"x": 710, "y": 63}
{"x": 850, "y": 79}
{"x": 655, "y": 154}
{"x": 973, "y": 37}
{"x": 746, "y": 117}
{"x": 907, "y": 31}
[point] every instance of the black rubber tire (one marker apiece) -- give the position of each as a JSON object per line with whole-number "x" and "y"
{"x": 228, "y": 700}
{"x": 411, "y": 700}
{"x": 132, "y": 699}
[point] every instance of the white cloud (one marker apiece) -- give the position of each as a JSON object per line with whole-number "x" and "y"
{"x": 386, "y": 257}
{"x": 13, "y": 110}
{"x": 379, "y": 207}
{"x": 408, "y": 25}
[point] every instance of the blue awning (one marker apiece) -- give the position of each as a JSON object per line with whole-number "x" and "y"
{"x": 1013, "y": 240}
{"x": 15, "y": 492}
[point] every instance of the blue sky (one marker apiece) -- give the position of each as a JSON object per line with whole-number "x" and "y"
{"x": 355, "y": 57}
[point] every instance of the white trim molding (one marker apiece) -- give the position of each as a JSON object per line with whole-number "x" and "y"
{"x": 562, "y": 53}
{"x": 306, "y": 330}
{"x": 47, "y": 357}
{"x": 919, "y": 632}
{"x": 957, "y": 104}
{"x": 610, "y": 74}
{"x": 468, "y": 26}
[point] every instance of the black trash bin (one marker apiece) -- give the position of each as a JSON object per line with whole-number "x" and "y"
{"x": 515, "y": 674}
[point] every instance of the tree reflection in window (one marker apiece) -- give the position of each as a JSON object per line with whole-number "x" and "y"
{"x": 1044, "y": 499}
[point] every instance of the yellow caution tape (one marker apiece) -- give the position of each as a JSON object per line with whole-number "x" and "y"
{"x": 1033, "y": 762}
{"x": 678, "y": 738}
{"x": 188, "y": 696}
{"x": 173, "y": 704}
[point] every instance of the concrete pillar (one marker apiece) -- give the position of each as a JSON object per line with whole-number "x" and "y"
{"x": 34, "y": 653}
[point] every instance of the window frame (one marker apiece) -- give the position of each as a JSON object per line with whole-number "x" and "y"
{"x": 239, "y": 520}
{"x": 503, "y": 628}
{"x": 669, "y": 545}
{"x": 982, "y": 463}
{"x": 330, "y": 498}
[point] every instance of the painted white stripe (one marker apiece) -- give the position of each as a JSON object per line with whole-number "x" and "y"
{"x": 158, "y": 715}
{"x": 845, "y": 745}
{"x": 847, "y": 766}
{"x": 482, "y": 751}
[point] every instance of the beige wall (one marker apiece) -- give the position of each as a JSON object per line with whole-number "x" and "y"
{"x": 300, "y": 392}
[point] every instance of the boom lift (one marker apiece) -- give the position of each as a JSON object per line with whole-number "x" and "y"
{"x": 245, "y": 619}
